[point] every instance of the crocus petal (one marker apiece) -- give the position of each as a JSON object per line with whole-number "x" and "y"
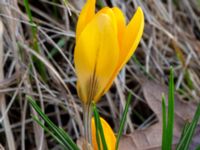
{"x": 132, "y": 36}
{"x": 121, "y": 23}
{"x": 131, "y": 39}
{"x": 108, "y": 133}
{"x": 87, "y": 13}
{"x": 108, "y": 11}
{"x": 96, "y": 45}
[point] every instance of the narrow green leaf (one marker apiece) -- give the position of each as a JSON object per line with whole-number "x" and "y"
{"x": 39, "y": 65}
{"x": 123, "y": 120}
{"x": 185, "y": 128}
{"x": 192, "y": 128}
{"x": 51, "y": 133}
{"x": 164, "y": 123}
{"x": 52, "y": 127}
{"x": 55, "y": 50}
{"x": 100, "y": 128}
{"x": 58, "y": 132}
{"x": 188, "y": 134}
{"x": 168, "y": 116}
{"x": 194, "y": 124}
{"x": 198, "y": 147}
{"x": 28, "y": 11}
{"x": 97, "y": 133}
{"x": 170, "y": 120}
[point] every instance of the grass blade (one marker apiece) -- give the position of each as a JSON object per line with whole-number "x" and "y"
{"x": 123, "y": 120}
{"x": 168, "y": 116}
{"x": 99, "y": 127}
{"x": 198, "y": 147}
{"x": 54, "y": 51}
{"x": 187, "y": 137}
{"x": 170, "y": 120}
{"x": 58, "y": 132}
{"x": 185, "y": 128}
{"x": 49, "y": 132}
{"x": 39, "y": 65}
{"x": 97, "y": 133}
{"x": 164, "y": 123}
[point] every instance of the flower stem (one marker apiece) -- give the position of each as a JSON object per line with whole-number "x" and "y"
{"x": 87, "y": 114}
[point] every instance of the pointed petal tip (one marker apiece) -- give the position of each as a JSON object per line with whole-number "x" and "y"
{"x": 140, "y": 11}
{"x": 86, "y": 14}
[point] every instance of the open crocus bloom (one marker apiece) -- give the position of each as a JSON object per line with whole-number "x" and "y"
{"x": 108, "y": 134}
{"x": 104, "y": 43}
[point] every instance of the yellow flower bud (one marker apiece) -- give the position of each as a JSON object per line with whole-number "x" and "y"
{"x": 104, "y": 43}
{"x": 108, "y": 134}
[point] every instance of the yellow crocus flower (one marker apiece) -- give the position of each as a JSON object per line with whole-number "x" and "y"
{"x": 108, "y": 134}
{"x": 104, "y": 43}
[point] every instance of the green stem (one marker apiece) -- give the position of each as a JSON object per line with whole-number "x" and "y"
{"x": 87, "y": 116}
